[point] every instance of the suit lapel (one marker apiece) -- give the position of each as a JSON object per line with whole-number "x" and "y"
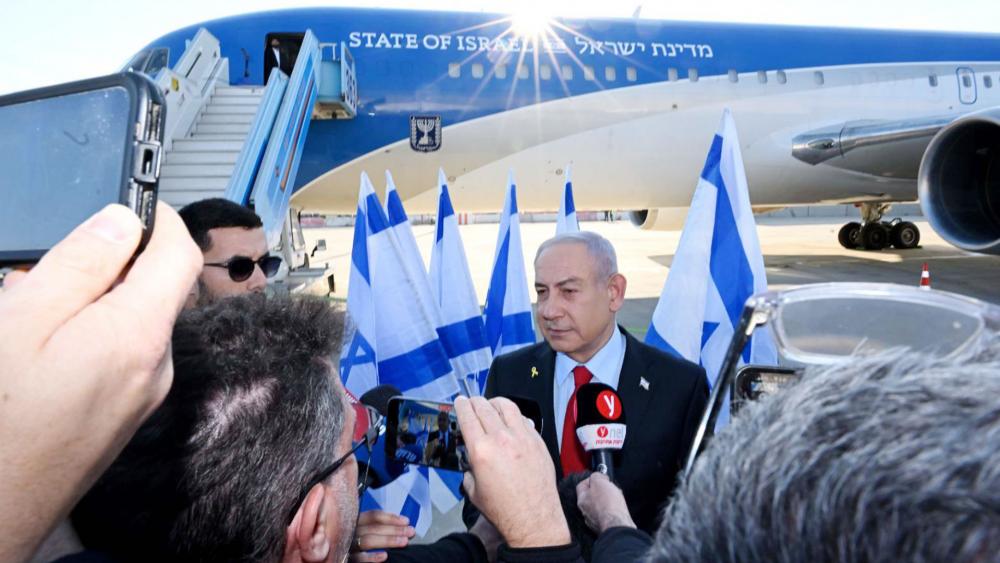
{"x": 539, "y": 388}
{"x": 635, "y": 397}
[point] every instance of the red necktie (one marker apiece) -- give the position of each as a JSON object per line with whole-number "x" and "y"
{"x": 572, "y": 456}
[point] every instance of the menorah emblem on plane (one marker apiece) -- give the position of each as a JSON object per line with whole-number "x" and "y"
{"x": 425, "y": 132}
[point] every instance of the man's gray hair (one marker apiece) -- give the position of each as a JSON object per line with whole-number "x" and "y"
{"x": 891, "y": 458}
{"x": 598, "y": 247}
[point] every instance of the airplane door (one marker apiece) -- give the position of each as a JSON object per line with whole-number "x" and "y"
{"x": 966, "y": 85}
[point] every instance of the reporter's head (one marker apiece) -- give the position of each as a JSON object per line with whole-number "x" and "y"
{"x": 891, "y": 458}
{"x": 226, "y": 468}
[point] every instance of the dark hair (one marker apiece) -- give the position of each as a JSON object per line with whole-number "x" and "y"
{"x": 253, "y": 414}
{"x": 894, "y": 458}
{"x": 216, "y": 213}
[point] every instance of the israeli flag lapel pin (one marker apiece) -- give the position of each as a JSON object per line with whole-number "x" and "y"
{"x": 644, "y": 383}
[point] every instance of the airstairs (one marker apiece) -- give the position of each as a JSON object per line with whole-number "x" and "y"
{"x": 244, "y": 143}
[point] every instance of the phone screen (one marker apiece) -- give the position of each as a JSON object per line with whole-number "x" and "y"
{"x": 62, "y": 160}
{"x": 425, "y": 433}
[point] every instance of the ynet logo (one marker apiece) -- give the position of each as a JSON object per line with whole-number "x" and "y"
{"x": 602, "y": 432}
{"x": 609, "y": 405}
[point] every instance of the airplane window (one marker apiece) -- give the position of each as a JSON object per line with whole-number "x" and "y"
{"x": 782, "y": 78}
{"x": 567, "y": 72}
{"x": 966, "y": 81}
{"x": 454, "y": 70}
{"x": 734, "y": 76}
{"x": 818, "y": 77}
{"x": 588, "y": 72}
{"x": 987, "y": 81}
{"x": 932, "y": 79}
{"x": 477, "y": 70}
{"x": 522, "y": 71}
{"x": 500, "y": 71}
{"x": 672, "y": 74}
{"x": 762, "y": 76}
{"x": 610, "y": 74}
{"x": 545, "y": 71}
{"x": 693, "y": 74}
{"x": 630, "y": 74}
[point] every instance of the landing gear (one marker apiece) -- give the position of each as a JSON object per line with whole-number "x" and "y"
{"x": 875, "y": 234}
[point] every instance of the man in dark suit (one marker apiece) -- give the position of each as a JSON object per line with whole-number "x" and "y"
{"x": 579, "y": 292}
{"x": 276, "y": 56}
{"x": 441, "y": 444}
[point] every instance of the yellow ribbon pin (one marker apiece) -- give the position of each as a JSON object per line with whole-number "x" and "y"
{"x": 534, "y": 372}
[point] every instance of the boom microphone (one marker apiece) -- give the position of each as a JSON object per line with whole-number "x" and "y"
{"x": 600, "y": 425}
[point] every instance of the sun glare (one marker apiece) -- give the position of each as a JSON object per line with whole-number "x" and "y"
{"x": 530, "y": 21}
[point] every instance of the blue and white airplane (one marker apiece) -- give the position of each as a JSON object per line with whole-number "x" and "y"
{"x": 826, "y": 115}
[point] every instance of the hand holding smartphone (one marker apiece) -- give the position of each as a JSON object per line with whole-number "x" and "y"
{"x": 69, "y": 150}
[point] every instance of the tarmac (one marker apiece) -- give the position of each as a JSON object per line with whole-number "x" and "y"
{"x": 796, "y": 251}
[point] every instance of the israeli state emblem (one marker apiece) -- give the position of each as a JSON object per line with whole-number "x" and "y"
{"x": 425, "y": 132}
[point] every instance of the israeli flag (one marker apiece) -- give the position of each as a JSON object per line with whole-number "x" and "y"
{"x": 409, "y": 495}
{"x": 508, "y": 307}
{"x": 399, "y": 224}
{"x": 717, "y": 266}
{"x": 566, "y": 222}
{"x": 463, "y": 332}
{"x": 397, "y": 302}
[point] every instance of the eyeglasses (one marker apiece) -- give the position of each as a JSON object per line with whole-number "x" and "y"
{"x": 374, "y": 427}
{"x": 241, "y": 268}
{"x": 829, "y": 323}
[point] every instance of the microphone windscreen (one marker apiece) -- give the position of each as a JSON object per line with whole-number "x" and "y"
{"x": 600, "y": 417}
{"x": 378, "y": 397}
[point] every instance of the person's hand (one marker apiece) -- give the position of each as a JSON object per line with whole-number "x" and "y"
{"x": 511, "y": 479}
{"x": 82, "y": 364}
{"x": 602, "y": 503}
{"x": 378, "y": 530}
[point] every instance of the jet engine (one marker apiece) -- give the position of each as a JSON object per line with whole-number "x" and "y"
{"x": 959, "y": 182}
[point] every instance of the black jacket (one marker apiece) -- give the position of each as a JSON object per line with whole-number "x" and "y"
{"x": 663, "y": 398}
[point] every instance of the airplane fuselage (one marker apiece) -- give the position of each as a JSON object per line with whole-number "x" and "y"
{"x": 630, "y": 104}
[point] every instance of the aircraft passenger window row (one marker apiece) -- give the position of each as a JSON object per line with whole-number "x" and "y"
{"x": 987, "y": 82}
{"x": 545, "y": 72}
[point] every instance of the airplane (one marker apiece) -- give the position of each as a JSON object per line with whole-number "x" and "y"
{"x": 825, "y": 115}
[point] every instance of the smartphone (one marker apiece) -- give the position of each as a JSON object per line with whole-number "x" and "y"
{"x": 426, "y": 432}
{"x": 754, "y": 382}
{"x": 69, "y": 150}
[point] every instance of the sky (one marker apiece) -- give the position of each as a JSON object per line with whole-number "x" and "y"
{"x": 53, "y": 41}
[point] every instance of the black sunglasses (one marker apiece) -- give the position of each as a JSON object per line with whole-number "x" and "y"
{"x": 241, "y": 268}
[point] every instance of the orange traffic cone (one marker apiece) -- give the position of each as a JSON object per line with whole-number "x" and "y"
{"x": 925, "y": 278}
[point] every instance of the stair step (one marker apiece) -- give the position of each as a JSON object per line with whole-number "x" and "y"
{"x": 201, "y": 157}
{"x": 236, "y": 100}
{"x": 216, "y": 109}
{"x": 196, "y": 170}
{"x": 226, "y": 128}
{"x": 229, "y": 118}
{"x": 178, "y": 200}
{"x": 200, "y": 145}
{"x": 219, "y": 137}
{"x": 240, "y": 91}
{"x": 213, "y": 184}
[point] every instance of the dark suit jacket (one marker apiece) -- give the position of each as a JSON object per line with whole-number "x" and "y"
{"x": 661, "y": 420}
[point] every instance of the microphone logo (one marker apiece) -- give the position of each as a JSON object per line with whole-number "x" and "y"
{"x": 609, "y": 405}
{"x": 602, "y": 432}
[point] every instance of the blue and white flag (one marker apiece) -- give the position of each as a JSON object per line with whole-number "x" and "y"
{"x": 717, "y": 266}
{"x": 463, "y": 332}
{"x": 399, "y": 342}
{"x": 566, "y": 222}
{"x": 399, "y": 223}
{"x": 404, "y": 340}
{"x": 508, "y": 306}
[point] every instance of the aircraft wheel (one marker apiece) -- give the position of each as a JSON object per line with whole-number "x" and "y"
{"x": 850, "y": 235}
{"x": 905, "y": 235}
{"x": 874, "y": 236}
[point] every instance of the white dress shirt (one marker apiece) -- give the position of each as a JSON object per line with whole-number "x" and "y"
{"x": 606, "y": 366}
